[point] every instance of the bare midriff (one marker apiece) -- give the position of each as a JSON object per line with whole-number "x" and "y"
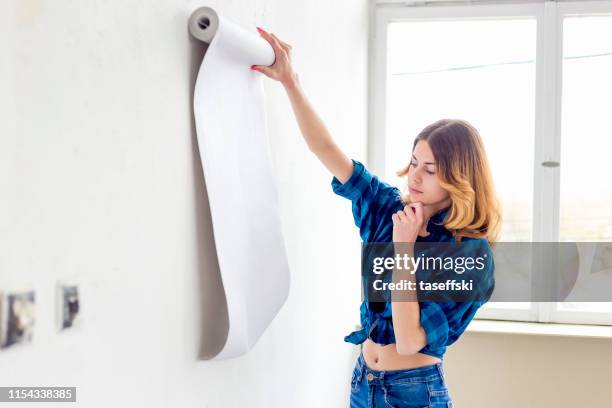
{"x": 385, "y": 357}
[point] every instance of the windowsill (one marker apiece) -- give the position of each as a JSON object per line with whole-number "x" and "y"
{"x": 542, "y": 329}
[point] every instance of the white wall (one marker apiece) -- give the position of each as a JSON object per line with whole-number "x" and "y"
{"x": 100, "y": 178}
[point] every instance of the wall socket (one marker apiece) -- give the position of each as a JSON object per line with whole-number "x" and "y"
{"x": 17, "y": 317}
{"x": 68, "y": 305}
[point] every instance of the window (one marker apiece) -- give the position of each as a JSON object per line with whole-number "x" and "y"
{"x": 534, "y": 79}
{"x": 586, "y": 86}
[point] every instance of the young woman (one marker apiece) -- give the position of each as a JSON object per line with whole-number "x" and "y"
{"x": 450, "y": 197}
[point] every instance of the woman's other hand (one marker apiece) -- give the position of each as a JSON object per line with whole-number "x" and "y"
{"x": 281, "y": 70}
{"x": 407, "y": 223}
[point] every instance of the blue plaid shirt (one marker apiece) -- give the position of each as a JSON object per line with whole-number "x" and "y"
{"x": 373, "y": 204}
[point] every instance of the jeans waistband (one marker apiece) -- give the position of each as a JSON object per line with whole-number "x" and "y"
{"x": 432, "y": 372}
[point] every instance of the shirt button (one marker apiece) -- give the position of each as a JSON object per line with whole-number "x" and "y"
{"x": 370, "y": 376}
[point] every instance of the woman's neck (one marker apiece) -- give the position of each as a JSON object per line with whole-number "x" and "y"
{"x": 429, "y": 211}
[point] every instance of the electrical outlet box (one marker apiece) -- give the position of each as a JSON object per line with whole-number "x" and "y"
{"x": 17, "y": 317}
{"x": 68, "y": 305}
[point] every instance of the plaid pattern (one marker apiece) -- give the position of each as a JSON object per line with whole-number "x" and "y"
{"x": 373, "y": 203}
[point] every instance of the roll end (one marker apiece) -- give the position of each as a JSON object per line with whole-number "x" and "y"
{"x": 203, "y": 24}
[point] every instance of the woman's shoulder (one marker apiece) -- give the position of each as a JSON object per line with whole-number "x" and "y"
{"x": 479, "y": 245}
{"x": 476, "y": 239}
{"x": 476, "y": 242}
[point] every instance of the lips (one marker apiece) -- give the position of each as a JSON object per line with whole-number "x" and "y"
{"x": 415, "y": 191}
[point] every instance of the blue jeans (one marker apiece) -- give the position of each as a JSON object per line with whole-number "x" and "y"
{"x": 420, "y": 387}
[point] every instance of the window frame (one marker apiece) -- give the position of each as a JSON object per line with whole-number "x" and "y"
{"x": 547, "y": 146}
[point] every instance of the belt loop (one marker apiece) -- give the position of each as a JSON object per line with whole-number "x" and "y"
{"x": 440, "y": 370}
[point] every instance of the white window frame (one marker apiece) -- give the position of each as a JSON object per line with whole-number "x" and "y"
{"x": 547, "y": 146}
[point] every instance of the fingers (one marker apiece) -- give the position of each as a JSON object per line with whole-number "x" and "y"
{"x": 283, "y": 44}
{"x": 263, "y": 69}
{"x": 395, "y": 218}
{"x": 412, "y": 212}
{"x": 418, "y": 210}
{"x": 271, "y": 39}
{"x": 402, "y": 216}
{"x": 409, "y": 213}
{"x": 276, "y": 43}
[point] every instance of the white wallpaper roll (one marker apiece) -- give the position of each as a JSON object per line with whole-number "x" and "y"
{"x": 240, "y": 180}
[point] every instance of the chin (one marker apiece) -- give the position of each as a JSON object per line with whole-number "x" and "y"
{"x": 414, "y": 198}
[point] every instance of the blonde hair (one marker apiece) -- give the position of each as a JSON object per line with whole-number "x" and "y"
{"x": 463, "y": 170}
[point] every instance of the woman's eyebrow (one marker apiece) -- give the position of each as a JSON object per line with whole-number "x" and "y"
{"x": 425, "y": 162}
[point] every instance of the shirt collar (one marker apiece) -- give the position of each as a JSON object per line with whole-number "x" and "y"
{"x": 438, "y": 218}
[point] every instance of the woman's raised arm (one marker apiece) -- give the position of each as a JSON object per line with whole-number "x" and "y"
{"x": 313, "y": 129}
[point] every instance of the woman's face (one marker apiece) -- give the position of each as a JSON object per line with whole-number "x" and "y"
{"x": 422, "y": 176}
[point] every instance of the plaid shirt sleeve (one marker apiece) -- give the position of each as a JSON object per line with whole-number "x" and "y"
{"x": 371, "y": 198}
{"x": 444, "y": 322}
{"x": 435, "y": 323}
{"x": 444, "y": 325}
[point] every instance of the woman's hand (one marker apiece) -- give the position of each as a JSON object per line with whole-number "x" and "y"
{"x": 407, "y": 223}
{"x": 281, "y": 70}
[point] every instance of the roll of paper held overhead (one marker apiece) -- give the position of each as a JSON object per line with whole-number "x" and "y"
{"x": 239, "y": 174}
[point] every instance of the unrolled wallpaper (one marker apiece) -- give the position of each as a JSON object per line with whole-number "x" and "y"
{"x": 239, "y": 177}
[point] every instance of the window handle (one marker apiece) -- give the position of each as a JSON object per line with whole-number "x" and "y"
{"x": 550, "y": 163}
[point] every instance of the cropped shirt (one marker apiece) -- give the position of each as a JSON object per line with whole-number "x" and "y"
{"x": 373, "y": 203}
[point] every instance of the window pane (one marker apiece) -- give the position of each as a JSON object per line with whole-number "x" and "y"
{"x": 586, "y": 191}
{"x": 482, "y": 71}
{"x": 586, "y": 142}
